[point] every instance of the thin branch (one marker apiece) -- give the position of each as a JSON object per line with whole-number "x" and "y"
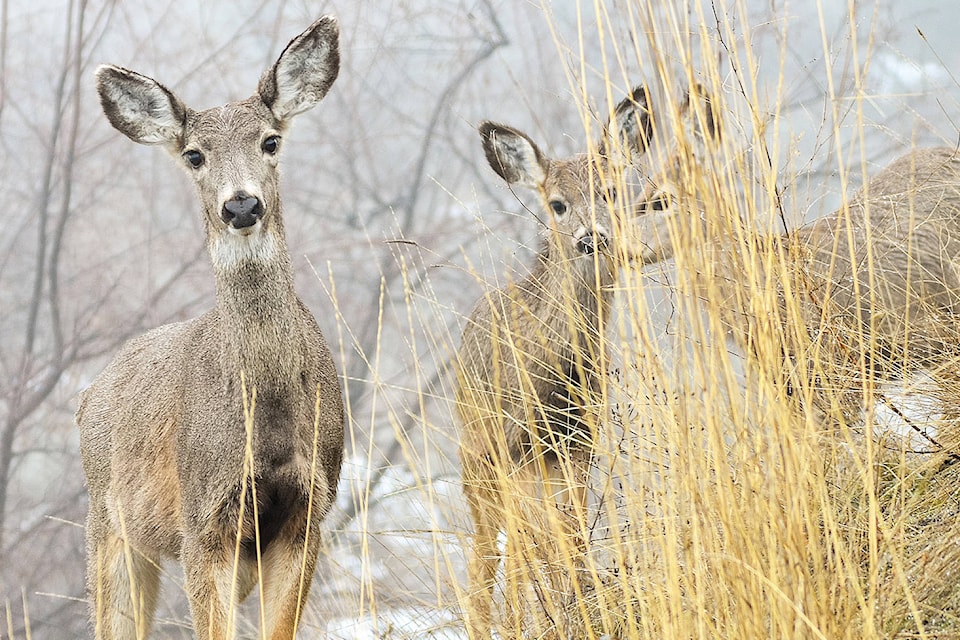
{"x": 69, "y": 163}
{"x": 4, "y": 19}
{"x": 369, "y": 331}
{"x": 439, "y": 109}
{"x": 17, "y": 402}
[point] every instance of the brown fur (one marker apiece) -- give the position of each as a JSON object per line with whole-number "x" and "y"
{"x": 162, "y": 428}
{"x": 532, "y": 356}
{"x": 875, "y": 280}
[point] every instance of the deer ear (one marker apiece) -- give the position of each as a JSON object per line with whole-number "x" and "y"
{"x": 701, "y": 115}
{"x": 630, "y": 130}
{"x": 305, "y": 70}
{"x": 513, "y": 155}
{"x": 139, "y": 107}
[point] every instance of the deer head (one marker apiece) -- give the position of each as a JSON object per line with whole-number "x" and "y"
{"x": 671, "y": 193}
{"x": 231, "y": 152}
{"x": 577, "y": 193}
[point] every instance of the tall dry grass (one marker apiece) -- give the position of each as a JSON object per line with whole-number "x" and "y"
{"x": 740, "y": 493}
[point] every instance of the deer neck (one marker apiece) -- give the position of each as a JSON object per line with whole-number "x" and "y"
{"x": 258, "y": 307}
{"x": 580, "y": 278}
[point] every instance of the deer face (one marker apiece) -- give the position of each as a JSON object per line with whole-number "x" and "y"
{"x": 577, "y": 193}
{"x": 578, "y": 204}
{"x": 670, "y": 200}
{"x": 656, "y": 214}
{"x": 230, "y": 151}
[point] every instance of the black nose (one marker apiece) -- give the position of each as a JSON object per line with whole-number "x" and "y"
{"x": 591, "y": 242}
{"x": 242, "y": 210}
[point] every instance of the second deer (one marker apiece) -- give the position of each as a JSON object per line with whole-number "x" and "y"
{"x": 872, "y": 288}
{"x": 532, "y": 357}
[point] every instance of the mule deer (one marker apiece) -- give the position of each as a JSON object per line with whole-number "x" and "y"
{"x": 532, "y": 354}
{"x": 163, "y": 433}
{"x": 874, "y": 285}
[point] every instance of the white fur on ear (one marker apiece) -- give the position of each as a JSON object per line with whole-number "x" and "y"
{"x": 140, "y": 107}
{"x": 305, "y": 70}
{"x": 513, "y": 155}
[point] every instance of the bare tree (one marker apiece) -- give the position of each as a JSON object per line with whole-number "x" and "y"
{"x": 53, "y": 332}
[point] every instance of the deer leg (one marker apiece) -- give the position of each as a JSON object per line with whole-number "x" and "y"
{"x": 122, "y": 583}
{"x": 289, "y": 564}
{"x": 540, "y": 527}
{"x": 564, "y": 496}
{"x": 484, "y": 558}
{"x": 215, "y": 585}
{"x": 209, "y": 614}
{"x": 567, "y": 483}
{"x": 518, "y": 575}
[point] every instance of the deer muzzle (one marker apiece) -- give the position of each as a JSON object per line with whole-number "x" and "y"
{"x": 590, "y": 243}
{"x": 241, "y": 211}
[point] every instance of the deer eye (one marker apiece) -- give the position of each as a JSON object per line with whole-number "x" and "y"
{"x": 194, "y": 157}
{"x": 271, "y": 145}
{"x": 558, "y": 207}
{"x": 659, "y": 203}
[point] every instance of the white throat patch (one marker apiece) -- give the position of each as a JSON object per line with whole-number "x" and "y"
{"x": 231, "y": 249}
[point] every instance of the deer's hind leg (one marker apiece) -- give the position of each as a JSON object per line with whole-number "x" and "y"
{"x": 121, "y": 581}
{"x": 547, "y": 541}
{"x": 217, "y": 582}
{"x": 566, "y": 483}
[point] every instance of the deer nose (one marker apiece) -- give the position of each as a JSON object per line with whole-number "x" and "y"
{"x": 592, "y": 242}
{"x": 241, "y": 211}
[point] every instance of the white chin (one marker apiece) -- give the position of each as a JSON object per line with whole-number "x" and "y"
{"x": 243, "y": 246}
{"x": 245, "y": 231}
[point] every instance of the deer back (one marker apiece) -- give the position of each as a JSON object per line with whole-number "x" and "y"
{"x": 884, "y": 261}
{"x": 887, "y": 260}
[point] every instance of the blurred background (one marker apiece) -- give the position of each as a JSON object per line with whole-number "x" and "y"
{"x": 395, "y": 224}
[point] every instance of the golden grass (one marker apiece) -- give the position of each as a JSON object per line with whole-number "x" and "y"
{"x": 737, "y": 498}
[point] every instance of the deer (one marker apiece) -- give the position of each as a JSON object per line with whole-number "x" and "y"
{"x": 217, "y": 441}
{"x": 874, "y": 285}
{"x": 532, "y": 355}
